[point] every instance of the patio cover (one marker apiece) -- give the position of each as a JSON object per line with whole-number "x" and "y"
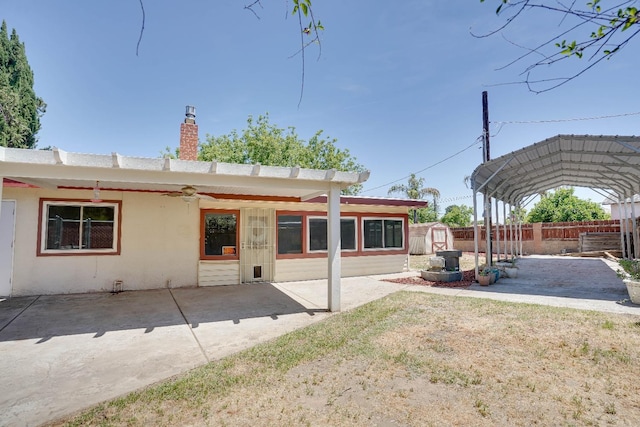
{"x": 609, "y": 163}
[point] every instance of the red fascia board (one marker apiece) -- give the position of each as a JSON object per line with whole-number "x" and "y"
{"x": 6, "y": 182}
{"x": 380, "y": 201}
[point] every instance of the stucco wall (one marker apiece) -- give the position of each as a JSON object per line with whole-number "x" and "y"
{"x": 159, "y": 242}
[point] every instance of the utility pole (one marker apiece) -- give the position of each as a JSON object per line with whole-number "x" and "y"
{"x": 486, "y": 156}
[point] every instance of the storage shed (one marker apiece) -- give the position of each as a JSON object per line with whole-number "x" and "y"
{"x": 427, "y": 238}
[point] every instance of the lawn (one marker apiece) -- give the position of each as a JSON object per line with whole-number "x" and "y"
{"x": 411, "y": 359}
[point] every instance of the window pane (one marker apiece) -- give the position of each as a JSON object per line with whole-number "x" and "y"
{"x": 98, "y": 228}
{"x": 317, "y": 234}
{"x": 372, "y": 233}
{"x": 289, "y": 234}
{"x": 348, "y": 233}
{"x": 63, "y": 227}
{"x": 392, "y": 233}
{"x": 220, "y": 234}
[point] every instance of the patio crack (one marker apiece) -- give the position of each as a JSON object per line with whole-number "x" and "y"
{"x": 204, "y": 353}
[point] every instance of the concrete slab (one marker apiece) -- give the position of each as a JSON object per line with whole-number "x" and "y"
{"x": 581, "y": 283}
{"x": 59, "y": 354}
{"x": 67, "y": 352}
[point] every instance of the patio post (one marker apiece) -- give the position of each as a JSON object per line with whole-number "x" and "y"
{"x": 333, "y": 247}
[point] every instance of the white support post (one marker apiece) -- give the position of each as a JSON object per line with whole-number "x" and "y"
{"x": 627, "y": 241}
{"x": 475, "y": 231}
{"x": 504, "y": 228}
{"x": 497, "y": 231}
{"x": 488, "y": 249}
{"x": 621, "y": 226}
{"x": 511, "y": 236}
{"x": 634, "y": 230}
{"x": 333, "y": 247}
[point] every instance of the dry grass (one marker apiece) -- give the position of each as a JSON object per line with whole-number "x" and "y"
{"x": 412, "y": 359}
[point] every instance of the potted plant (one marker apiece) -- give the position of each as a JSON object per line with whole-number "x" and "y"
{"x": 630, "y": 273}
{"x": 484, "y": 277}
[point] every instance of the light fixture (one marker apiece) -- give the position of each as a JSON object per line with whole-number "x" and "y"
{"x": 96, "y": 193}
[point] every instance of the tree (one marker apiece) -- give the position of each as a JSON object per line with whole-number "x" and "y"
{"x": 267, "y": 144}
{"x": 585, "y": 30}
{"x": 415, "y": 190}
{"x": 457, "y": 216}
{"x": 20, "y": 108}
{"x": 562, "y": 206}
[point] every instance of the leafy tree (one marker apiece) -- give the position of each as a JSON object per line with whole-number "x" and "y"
{"x": 267, "y": 144}
{"x": 562, "y": 206}
{"x": 457, "y": 216}
{"x": 20, "y": 108}
{"x": 586, "y": 29}
{"x": 414, "y": 190}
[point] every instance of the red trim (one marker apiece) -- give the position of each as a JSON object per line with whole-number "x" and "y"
{"x": 360, "y": 251}
{"x": 6, "y": 182}
{"x": 79, "y": 252}
{"x": 203, "y": 256}
{"x": 380, "y": 201}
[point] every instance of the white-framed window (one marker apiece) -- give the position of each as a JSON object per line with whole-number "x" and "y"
{"x": 76, "y": 227}
{"x": 382, "y": 233}
{"x": 317, "y": 235}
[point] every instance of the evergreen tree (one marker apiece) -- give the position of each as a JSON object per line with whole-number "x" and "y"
{"x": 20, "y": 108}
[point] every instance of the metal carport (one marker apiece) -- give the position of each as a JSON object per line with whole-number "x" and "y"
{"x": 609, "y": 165}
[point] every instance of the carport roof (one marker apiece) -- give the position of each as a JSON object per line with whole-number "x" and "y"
{"x": 610, "y": 163}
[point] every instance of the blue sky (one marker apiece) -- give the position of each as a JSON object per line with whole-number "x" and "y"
{"x": 399, "y": 86}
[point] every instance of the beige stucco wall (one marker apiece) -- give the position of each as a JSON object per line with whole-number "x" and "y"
{"x": 160, "y": 237}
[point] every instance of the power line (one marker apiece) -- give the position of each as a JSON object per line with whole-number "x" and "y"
{"x": 564, "y": 120}
{"x": 478, "y": 139}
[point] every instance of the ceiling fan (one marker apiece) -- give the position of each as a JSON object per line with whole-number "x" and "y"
{"x": 189, "y": 194}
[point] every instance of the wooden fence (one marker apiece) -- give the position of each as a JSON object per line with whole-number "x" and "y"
{"x": 541, "y": 237}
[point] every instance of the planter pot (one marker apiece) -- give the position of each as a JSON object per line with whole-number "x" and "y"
{"x": 485, "y": 280}
{"x": 511, "y": 272}
{"x": 633, "y": 287}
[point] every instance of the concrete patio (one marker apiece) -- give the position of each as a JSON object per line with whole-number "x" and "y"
{"x": 62, "y": 353}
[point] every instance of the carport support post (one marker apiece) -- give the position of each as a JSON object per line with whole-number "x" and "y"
{"x": 634, "y": 230}
{"x": 1, "y": 185}
{"x": 333, "y": 246}
{"x": 621, "y": 226}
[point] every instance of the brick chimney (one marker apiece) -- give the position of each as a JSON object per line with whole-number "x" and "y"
{"x": 189, "y": 136}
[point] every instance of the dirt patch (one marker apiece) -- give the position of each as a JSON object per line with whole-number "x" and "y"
{"x": 468, "y": 277}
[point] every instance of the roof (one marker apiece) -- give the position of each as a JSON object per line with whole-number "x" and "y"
{"x": 613, "y": 201}
{"x": 610, "y": 163}
{"x": 59, "y": 169}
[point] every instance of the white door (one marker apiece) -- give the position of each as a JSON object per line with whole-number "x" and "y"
{"x": 257, "y": 247}
{"x": 7, "y": 227}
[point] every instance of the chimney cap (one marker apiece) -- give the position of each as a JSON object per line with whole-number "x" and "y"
{"x": 190, "y": 112}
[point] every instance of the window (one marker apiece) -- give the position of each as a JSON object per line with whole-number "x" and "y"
{"x": 318, "y": 234}
{"x": 79, "y": 227}
{"x": 289, "y": 234}
{"x": 383, "y": 233}
{"x": 220, "y": 235}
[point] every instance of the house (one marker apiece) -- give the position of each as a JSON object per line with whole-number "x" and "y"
{"x": 625, "y": 209}
{"x": 75, "y": 223}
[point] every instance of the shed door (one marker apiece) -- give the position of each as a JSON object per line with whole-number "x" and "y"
{"x": 7, "y": 223}
{"x": 257, "y": 248}
{"x": 438, "y": 239}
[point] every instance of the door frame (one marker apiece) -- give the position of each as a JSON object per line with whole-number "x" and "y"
{"x": 3, "y": 211}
